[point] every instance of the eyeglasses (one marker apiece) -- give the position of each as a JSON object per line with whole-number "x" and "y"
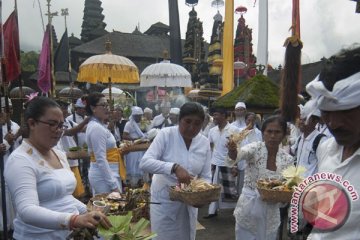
{"x": 54, "y": 126}
{"x": 104, "y": 105}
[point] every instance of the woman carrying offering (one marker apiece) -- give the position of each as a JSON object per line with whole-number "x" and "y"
{"x": 107, "y": 167}
{"x": 41, "y": 182}
{"x": 176, "y": 155}
{"x": 256, "y": 219}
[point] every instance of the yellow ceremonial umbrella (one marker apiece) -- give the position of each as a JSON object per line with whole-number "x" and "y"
{"x": 108, "y": 68}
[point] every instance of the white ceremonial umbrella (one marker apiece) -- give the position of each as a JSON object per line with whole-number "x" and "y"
{"x": 116, "y": 92}
{"x": 165, "y": 74}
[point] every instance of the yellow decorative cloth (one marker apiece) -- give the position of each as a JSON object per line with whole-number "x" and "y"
{"x": 79, "y": 189}
{"x": 113, "y": 155}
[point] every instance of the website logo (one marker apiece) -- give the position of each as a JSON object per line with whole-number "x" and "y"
{"x": 323, "y": 200}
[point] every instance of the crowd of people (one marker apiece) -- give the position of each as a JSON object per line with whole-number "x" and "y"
{"x": 44, "y": 185}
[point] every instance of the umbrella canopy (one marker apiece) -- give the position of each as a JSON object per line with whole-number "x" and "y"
{"x": 15, "y": 93}
{"x": 70, "y": 93}
{"x": 165, "y": 74}
{"x": 107, "y": 68}
{"x": 116, "y": 92}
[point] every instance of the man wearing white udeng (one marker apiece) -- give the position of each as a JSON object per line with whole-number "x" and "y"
{"x": 336, "y": 91}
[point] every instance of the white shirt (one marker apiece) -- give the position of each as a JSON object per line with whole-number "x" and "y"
{"x": 42, "y": 195}
{"x": 167, "y": 149}
{"x": 330, "y": 154}
{"x": 14, "y": 129}
{"x": 76, "y": 118}
{"x": 160, "y": 119}
{"x": 254, "y": 136}
{"x": 305, "y": 154}
{"x": 246, "y": 210}
{"x": 324, "y": 130}
{"x": 239, "y": 123}
{"x": 99, "y": 139}
{"x": 220, "y": 140}
{"x": 69, "y": 142}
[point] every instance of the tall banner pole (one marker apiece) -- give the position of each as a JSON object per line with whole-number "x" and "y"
{"x": 228, "y": 48}
{"x": 52, "y": 74}
{"x": 262, "y": 48}
{"x": 175, "y": 37}
{"x": 2, "y": 179}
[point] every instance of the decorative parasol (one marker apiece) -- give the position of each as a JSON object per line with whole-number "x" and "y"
{"x": 108, "y": 68}
{"x": 15, "y": 93}
{"x": 165, "y": 74}
{"x": 116, "y": 92}
{"x": 70, "y": 93}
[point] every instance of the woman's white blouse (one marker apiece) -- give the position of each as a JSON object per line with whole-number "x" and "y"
{"x": 99, "y": 139}
{"x": 42, "y": 195}
{"x": 255, "y": 155}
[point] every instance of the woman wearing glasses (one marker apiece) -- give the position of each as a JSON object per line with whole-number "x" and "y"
{"x": 41, "y": 182}
{"x": 106, "y": 166}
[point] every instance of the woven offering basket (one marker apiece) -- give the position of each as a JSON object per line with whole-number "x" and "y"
{"x": 80, "y": 154}
{"x": 137, "y": 213}
{"x": 196, "y": 198}
{"x": 269, "y": 195}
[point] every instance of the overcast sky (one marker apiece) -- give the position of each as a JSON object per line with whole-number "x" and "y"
{"x": 326, "y": 25}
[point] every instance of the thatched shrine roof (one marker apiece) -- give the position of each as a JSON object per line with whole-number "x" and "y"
{"x": 259, "y": 93}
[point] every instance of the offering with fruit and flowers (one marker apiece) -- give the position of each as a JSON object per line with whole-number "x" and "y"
{"x": 280, "y": 189}
{"x": 197, "y": 193}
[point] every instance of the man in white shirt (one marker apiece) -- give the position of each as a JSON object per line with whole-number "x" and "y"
{"x": 335, "y": 91}
{"x": 11, "y": 140}
{"x": 174, "y": 116}
{"x": 306, "y": 145}
{"x": 218, "y": 137}
{"x": 255, "y": 135}
{"x": 162, "y": 120}
{"x": 117, "y": 124}
{"x": 240, "y": 112}
{"x": 78, "y": 116}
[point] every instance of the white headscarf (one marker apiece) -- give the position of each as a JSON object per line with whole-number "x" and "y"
{"x": 344, "y": 96}
{"x": 136, "y": 111}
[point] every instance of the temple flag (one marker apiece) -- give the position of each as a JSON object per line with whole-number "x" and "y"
{"x": 61, "y": 58}
{"x": 11, "y": 48}
{"x": 44, "y": 69}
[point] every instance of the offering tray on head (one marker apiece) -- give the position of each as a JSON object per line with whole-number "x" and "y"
{"x": 197, "y": 193}
{"x": 274, "y": 190}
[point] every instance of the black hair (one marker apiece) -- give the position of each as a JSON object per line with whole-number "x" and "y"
{"x": 36, "y": 108}
{"x": 248, "y": 114}
{"x": 340, "y": 66}
{"x": 275, "y": 118}
{"x": 220, "y": 110}
{"x": 91, "y": 100}
{"x": 192, "y": 108}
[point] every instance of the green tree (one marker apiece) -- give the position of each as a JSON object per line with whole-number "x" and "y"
{"x": 29, "y": 61}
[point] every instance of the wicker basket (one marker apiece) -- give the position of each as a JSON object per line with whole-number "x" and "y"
{"x": 196, "y": 198}
{"x": 269, "y": 195}
{"x": 80, "y": 154}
